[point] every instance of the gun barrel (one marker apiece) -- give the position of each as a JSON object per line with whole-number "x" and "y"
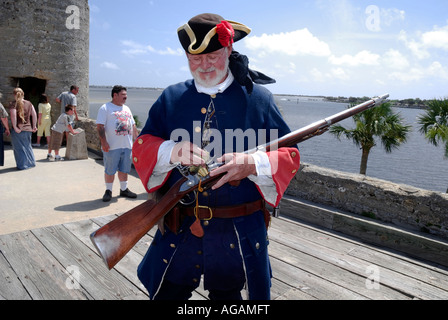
{"x": 318, "y": 127}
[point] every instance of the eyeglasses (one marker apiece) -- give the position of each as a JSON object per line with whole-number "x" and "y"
{"x": 211, "y": 58}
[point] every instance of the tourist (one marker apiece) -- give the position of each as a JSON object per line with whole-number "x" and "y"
{"x": 117, "y": 131}
{"x": 69, "y": 98}
{"x": 222, "y": 235}
{"x": 23, "y": 120}
{"x": 43, "y": 120}
{"x": 57, "y": 133}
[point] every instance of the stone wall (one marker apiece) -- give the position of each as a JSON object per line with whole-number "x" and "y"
{"x": 45, "y": 44}
{"x": 402, "y": 205}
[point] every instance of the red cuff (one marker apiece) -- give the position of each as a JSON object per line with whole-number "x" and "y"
{"x": 144, "y": 157}
{"x": 285, "y": 163}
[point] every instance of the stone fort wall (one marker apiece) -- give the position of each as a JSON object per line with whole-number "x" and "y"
{"x": 45, "y": 49}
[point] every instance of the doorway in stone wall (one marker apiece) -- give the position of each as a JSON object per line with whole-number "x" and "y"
{"x": 33, "y": 88}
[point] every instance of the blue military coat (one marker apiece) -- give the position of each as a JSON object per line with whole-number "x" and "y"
{"x": 232, "y": 250}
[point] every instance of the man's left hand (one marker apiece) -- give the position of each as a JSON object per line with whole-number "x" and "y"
{"x": 237, "y": 165}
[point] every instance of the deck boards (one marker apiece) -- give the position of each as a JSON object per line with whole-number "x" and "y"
{"x": 59, "y": 262}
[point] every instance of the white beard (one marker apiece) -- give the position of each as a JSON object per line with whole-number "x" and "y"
{"x": 208, "y": 83}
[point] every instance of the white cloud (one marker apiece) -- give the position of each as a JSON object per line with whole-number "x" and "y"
{"x": 438, "y": 38}
{"x": 364, "y": 57}
{"x": 417, "y": 73}
{"x": 299, "y": 42}
{"x": 109, "y": 65}
{"x": 389, "y": 16}
{"x": 133, "y": 48}
{"x": 395, "y": 60}
{"x": 434, "y": 39}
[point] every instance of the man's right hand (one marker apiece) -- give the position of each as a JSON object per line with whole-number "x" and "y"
{"x": 188, "y": 154}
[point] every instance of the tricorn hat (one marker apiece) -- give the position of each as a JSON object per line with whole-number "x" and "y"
{"x": 209, "y": 32}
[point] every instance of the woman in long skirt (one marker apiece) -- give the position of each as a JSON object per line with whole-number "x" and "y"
{"x": 24, "y": 121}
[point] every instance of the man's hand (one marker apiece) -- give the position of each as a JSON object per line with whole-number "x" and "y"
{"x": 188, "y": 154}
{"x": 237, "y": 165}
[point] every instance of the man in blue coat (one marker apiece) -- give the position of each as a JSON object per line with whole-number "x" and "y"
{"x": 222, "y": 234}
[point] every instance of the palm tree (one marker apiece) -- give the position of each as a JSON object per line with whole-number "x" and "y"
{"x": 434, "y": 124}
{"x": 380, "y": 122}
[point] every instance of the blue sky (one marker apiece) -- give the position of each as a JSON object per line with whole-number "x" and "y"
{"x": 311, "y": 47}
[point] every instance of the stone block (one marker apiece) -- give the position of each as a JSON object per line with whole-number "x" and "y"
{"x": 76, "y": 146}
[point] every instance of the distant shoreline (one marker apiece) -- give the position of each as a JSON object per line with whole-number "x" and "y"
{"x": 406, "y": 103}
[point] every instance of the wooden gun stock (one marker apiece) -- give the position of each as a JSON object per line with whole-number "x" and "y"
{"x": 114, "y": 240}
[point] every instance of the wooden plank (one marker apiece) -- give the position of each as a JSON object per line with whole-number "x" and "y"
{"x": 433, "y": 275}
{"x": 127, "y": 267}
{"x": 94, "y": 277}
{"x": 373, "y": 231}
{"x": 41, "y": 275}
{"x": 10, "y": 285}
{"x": 312, "y": 285}
{"x": 389, "y": 278}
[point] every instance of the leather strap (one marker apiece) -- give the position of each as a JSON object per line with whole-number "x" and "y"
{"x": 206, "y": 213}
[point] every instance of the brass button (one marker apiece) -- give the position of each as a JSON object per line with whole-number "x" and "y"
{"x": 197, "y": 129}
{"x": 195, "y": 280}
{"x": 204, "y": 110}
{"x": 213, "y": 96}
{"x": 173, "y": 245}
{"x": 166, "y": 261}
{"x": 199, "y": 252}
{"x": 140, "y": 141}
{"x": 257, "y": 246}
{"x": 293, "y": 154}
{"x": 206, "y": 223}
{"x": 135, "y": 159}
{"x": 197, "y": 266}
{"x": 294, "y": 171}
{"x": 232, "y": 246}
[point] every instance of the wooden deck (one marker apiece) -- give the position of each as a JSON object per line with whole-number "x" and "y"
{"x": 59, "y": 262}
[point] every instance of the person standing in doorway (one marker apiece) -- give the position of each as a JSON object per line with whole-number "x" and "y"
{"x": 117, "y": 131}
{"x": 44, "y": 120}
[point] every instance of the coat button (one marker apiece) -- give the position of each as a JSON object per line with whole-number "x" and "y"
{"x": 203, "y": 110}
{"x": 294, "y": 171}
{"x": 135, "y": 159}
{"x": 232, "y": 246}
{"x": 166, "y": 261}
{"x": 173, "y": 245}
{"x": 140, "y": 141}
{"x": 293, "y": 154}
{"x": 257, "y": 246}
{"x": 206, "y": 223}
{"x": 197, "y": 129}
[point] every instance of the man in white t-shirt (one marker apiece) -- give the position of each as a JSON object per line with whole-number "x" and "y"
{"x": 117, "y": 131}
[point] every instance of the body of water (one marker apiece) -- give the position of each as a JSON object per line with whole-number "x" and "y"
{"x": 416, "y": 163}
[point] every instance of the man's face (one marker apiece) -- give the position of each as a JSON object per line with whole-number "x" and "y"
{"x": 211, "y": 68}
{"x": 120, "y": 98}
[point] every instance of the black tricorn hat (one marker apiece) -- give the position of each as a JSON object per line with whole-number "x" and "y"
{"x": 209, "y": 32}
